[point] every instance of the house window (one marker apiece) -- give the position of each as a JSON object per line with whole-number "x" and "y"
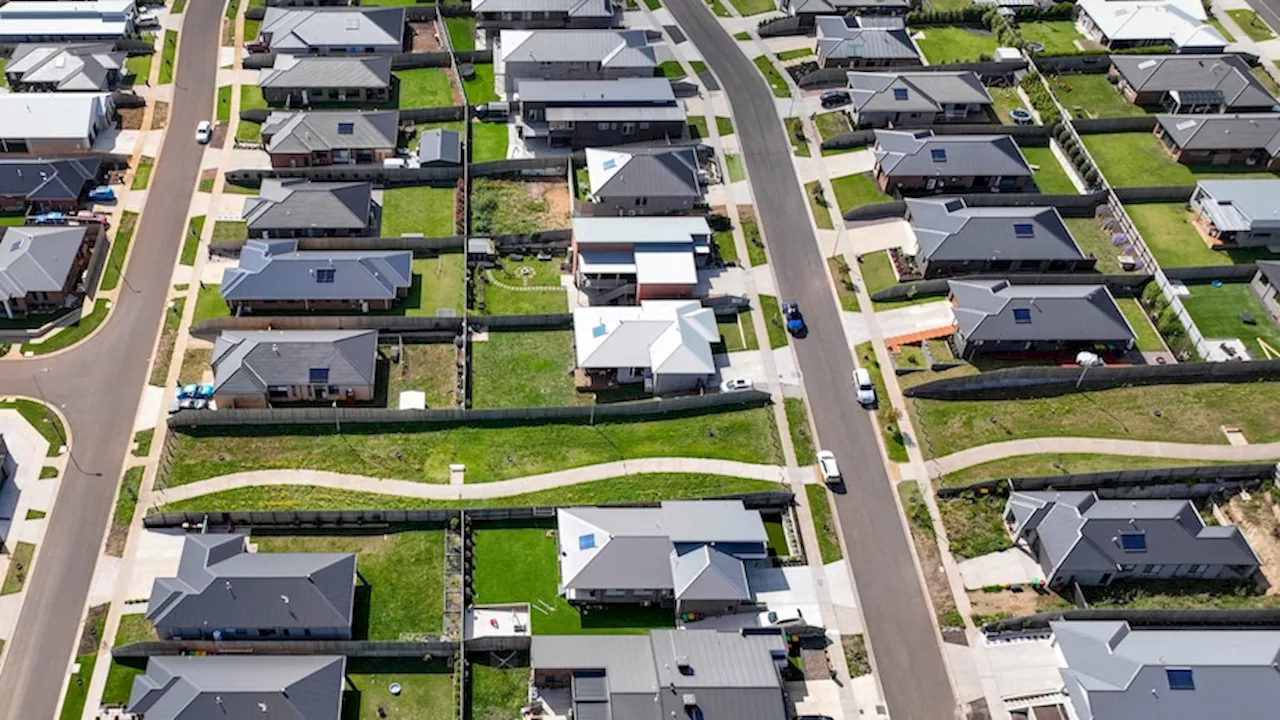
{"x": 1180, "y": 678}
{"x": 319, "y": 376}
{"x": 602, "y": 126}
{"x": 1133, "y": 541}
{"x": 899, "y": 93}
{"x": 325, "y": 275}
{"x": 938, "y": 154}
{"x": 1024, "y": 230}
{"x": 1022, "y": 316}
{"x": 1197, "y": 570}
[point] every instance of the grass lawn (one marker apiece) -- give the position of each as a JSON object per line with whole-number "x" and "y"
{"x": 653, "y": 4}
{"x": 773, "y": 321}
{"x": 133, "y": 628}
{"x": 119, "y": 250}
{"x": 1092, "y": 96}
{"x": 428, "y": 368}
{"x": 823, "y": 523}
{"x": 526, "y": 368}
{"x": 224, "y": 103}
{"x": 1138, "y": 159}
{"x": 480, "y": 89}
{"x": 724, "y": 126}
{"x": 1169, "y": 234}
{"x": 672, "y": 69}
{"x": 122, "y": 516}
{"x": 229, "y": 230}
{"x": 718, "y": 8}
{"x": 830, "y": 124}
{"x": 142, "y": 174}
{"x": 1222, "y": 30}
{"x": 796, "y": 134}
{"x": 438, "y": 282}
{"x": 139, "y": 67}
{"x": 1054, "y": 464}
{"x": 86, "y": 657}
{"x": 975, "y": 526}
{"x": 74, "y": 333}
{"x": 725, "y": 245}
{"x": 698, "y": 128}
{"x": 943, "y": 44}
{"x": 838, "y": 267}
{"x": 143, "y": 439}
{"x": 488, "y": 142}
{"x": 423, "y": 695}
{"x": 401, "y": 587}
{"x": 733, "y": 166}
{"x": 252, "y": 28}
{"x": 1003, "y": 100}
{"x": 462, "y": 33}
{"x": 753, "y": 7}
{"x": 424, "y": 88}
{"x": 877, "y": 271}
{"x": 1252, "y": 25}
{"x": 1267, "y": 81}
{"x": 195, "y": 363}
{"x": 755, "y": 242}
{"x": 1179, "y": 594}
{"x": 794, "y": 54}
{"x": 19, "y": 567}
{"x": 512, "y": 206}
{"x": 1092, "y": 239}
{"x": 251, "y": 98}
{"x": 167, "y": 56}
{"x": 209, "y": 305}
{"x": 819, "y": 204}
{"x": 744, "y": 36}
{"x": 771, "y": 75}
{"x": 498, "y": 692}
{"x": 698, "y": 67}
{"x": 191, "y": 242}
{"x": 855, "y": 191}
{"x": 1148, "y": 338}
{"x": 1049, "y": 175}
{"x": 39, "y": 417}
{"x": 801, "y": 433}
{"x": 422, "y": 209}
{"x": 738, "y": 334}
{"x": 1057, "y": 36}
{"x": 1216, "y": 311}
{"x": 530, "y": 273}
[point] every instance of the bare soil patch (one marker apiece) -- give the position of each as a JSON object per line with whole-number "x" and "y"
{"x": 160, "y": 117}
{"x": 924, "y": 536}
{"x": 424, "y": 37}
{"x": 131, "y": 118}
{"x": 219, "y": 138}
{"x": 1258, "y": 518}
{"x": 89, "y": 634}
{"x": 987, "y": 606}
{"x": 556, "y": 195}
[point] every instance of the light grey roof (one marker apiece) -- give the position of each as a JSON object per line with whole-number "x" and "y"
{"x": 573, "y": 8}
{"x": 301, "y": 29}
{"x": 37, "y": 258}
{"x": 250, "y": 362}
{"x": 705, "y": 573}
{"x": 221, "y": 586}
{"x": 34, "y": 180}
{"x": 620, "y": 91}
{"x": 1243, "y": 131}
{"x": 70, "y": 67}
{"x": 671, "y": 337}
{"x": 914, "y": 91}
{"x": 612, "y": 49}
{"x": 277, "y": 270}
{"x": 297, "y": 204}
{"x": 1114, "y": 671}
{"x": 842, "y": 7}
{"x": 948, "y": 230}
{"x": 711, "y": 521}
{"x": 853, "y": 37}
{"x": 985, "y": 310}
{"x": 239, "y": 686}
{"x": 910, "y": 154}
{"x": 670, "y": 172}
{"x": 1242, "y": 204}
{"x": 297, "y": 132}
{"x": 618, "y": 113}
{"x": 440, "y": 146}
{"x": 289, "y": 71}
{"x": 627, "y": 659}
{"x": 1227, "y": 74}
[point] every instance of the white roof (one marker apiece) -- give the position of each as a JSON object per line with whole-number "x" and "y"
{"x": 638, "y": 230}
{"x": 103, "y": 18}
{"x": 665, "y": 265}
{"x": 51, "y": 115}
{"x": 671, "y": 337}
{"x": 1182, "y": 21}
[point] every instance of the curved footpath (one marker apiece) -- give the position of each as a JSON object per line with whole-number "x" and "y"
{"x": 475, "y": 491}
{"x": 1101, "y": 446}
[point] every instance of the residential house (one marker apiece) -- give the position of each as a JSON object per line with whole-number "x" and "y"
{"x": 643, "y": 180}
{"x": 808, "y": 11}
{"x": 1266, "y": 286}
{"x": 1251, "y": 140}
{"x": 330, "y": 137}
{"x": 275, "y": 275}
{"x": 586, "y": 113}
{"x": 916, "y": 99}
{"x": 1239, "y": 213}
{"x": 665, "y": 674}
{"x": 224, "y": 592}
{"x": 564, "y": 14}
{"x": 576, "y": 55}
{"x": 1078, "y": 538}
{"x": 1121, "y": 24}
{"x": 1182, "y": 84}
{"x": 917, "y": 161}
{"x": 439, "y": 148}
{"x": 664, "y": 344}
{"x": 293, "y": 80}
{"x": 91, "y": 67}
{"x": 864, "y": 42}
{"x": 621, "y": 260}
{"x": 294, "y": 207}
{"x": 955, "y": 239}
{"x": 1112, "y": 670}
{"x": 333, "y": 31}
{"x": 53, "y": 124}
{"x": 262, "y": 368}
{"x": 8, "y": 463}
{"x": 993, "y": 316}
{"x": 65, "y": 20}
{"x": 36, "y": 186}
{"x": 191, "y": 687}
{"x": 41, "y": 266}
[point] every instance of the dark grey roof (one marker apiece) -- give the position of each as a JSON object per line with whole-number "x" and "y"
{"x": 914, "y": 91}
{"x": 705, "y": 573}
{"x": 298, "y": 30}
{"x": 221, "y": 586}
{"x": 63, "y": 179}
{"x": 250, "y": 362}
{"x": 296, "y": 132}
{"x": 573, "y": 8}
{"x": 440, "y": 146}
{"x": 1227, "y": 74}
{"x": 842, "y": 7}
{"x": 985, "y": 309}
{"x": 297, "y": 204}
{"x": 621, "y": 91}
{"x": 643, "y": 172}
{"x": 239, "y": 686}
{"x": 948, "y": 230}
{"x": 1242, "y": 131}
{"x": 1270, "y": 270}
{"x": 853, "y": 37}
{"x": 277, "y": 270}
{"x": 37, "y": 258}
{"x": 69, "y": 67}
{"x": 610, "y": 48}
{"x": 289, "y": 71}
{"x": 910, "y": 154}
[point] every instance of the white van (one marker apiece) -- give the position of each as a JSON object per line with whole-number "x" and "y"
{"x": 866, "y": 389}
{"x": 395, "y": 163}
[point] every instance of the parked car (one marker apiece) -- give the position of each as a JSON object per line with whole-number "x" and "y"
{"x": 830, "y": 470}
{"x": 204, "y": 131}
{"x": 866, "y": 389}
{"x": 202, "y": 391}
{"x": 736, "y": 385}
{"x": 835, "y": 98}
{"x": 781, "y": 616}
{"x": 795, "y": 321}
{"x": 147, "y": 20}
{"x": 102, "y": 193}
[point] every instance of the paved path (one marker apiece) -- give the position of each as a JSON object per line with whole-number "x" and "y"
{"x": 474, "y": 491}
{"x": 1101, "y": 446}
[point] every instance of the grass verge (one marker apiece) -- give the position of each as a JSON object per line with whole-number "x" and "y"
{"x": 823, "y": 523}
{"x": 801, "y": 433}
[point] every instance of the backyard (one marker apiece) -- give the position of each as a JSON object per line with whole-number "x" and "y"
{"x": 1049, "y": 175}
{"x": 480, "y": 87}
{"x": 1091, "y": 96}
{"x": 1057, "y": 36}
{"x": 1217, "y": 312}
{"x": 1003, "y": 100}
{"x": 438, "y": 282}
{"x": 526, "y": 368}
{"x": 428, "y": 368}
{"x": 423, "y": 88}
{"x": 422, "y": 209}
{"x": 512, "y": 206}
{"x": 1148, "y": 339}
{"x": 498, "y": 692}
{"x": 525, "y": 287}
{"x": 488, "y": 142}
{"x": 1167, "y": 230}
{"x": 1093, "y": 240}
{"x": 1137, "y": 159}
{"x": 946, "y": 44}
{"x": 426, "y": 691}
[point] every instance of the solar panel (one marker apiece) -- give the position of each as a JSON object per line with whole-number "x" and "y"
{"x": 938, "y": 154}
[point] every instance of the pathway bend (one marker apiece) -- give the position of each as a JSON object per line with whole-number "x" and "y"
{"x": 1101, "y": 446}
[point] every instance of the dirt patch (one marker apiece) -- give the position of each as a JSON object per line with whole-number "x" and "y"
{"x": 219, "y": 138}
{"x": 131, "y": 118}
{"x": 89, "y": 639}
{"x": 454, "y": 86}
{"x": 207, "y": 178}
{"x": 1258, "y": 518}
{"x": 925, "y": 539}
{"x": 228, "y": 32}
{"x": 424, "y": 37}
{"x": 991, "y": 606}
{"x": 556, "y": 195}
{"x": 160, "y": 117}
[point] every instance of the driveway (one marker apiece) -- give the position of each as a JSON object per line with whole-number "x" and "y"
{"x": 1007, "y": 567}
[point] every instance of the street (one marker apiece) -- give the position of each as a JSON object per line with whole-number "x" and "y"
{"x": 97, "y": 385}
{"x": 900, "y": 626}
{"x": 1269, "y": 11}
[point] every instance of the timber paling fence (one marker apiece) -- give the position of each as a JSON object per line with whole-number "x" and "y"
{"x": 1159, "y": 483}
{"x": 1039, "y": 381}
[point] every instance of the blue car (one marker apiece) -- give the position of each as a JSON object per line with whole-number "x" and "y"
{"x": 102, "y": 193}
{"x": 195, "y": 392}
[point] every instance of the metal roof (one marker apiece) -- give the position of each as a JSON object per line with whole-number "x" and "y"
{"x": 300, "y": 30}
{"x": 624, "y": 91}
{"x": 919, "y": 153}
{"x": 1226, "y": 74}
{"x": 297, "y": 132}
{"x": 989, "y": 309}
{"x": 643, "y": 172}
{"x": 44, "y": 115}
{"x": 841, "y": 7}
{"x": 853, "y": 37}
{"x": 1242, "y": 131}
{"x": 621, "y": 113}
{"x": 572, "y": 8}
{"x": 68, "y": 67}
{"x": 667, "y": 336}
{"x": 277, "y": 270}
{"x": 914, "y": 91}
{"x": 1179, "y": 22}
{"x": 101, "y": 19}
{"x": 63, "y": 179}
{"x": 297, "y": 204}
{"x": 612, "y": 49}
{"x": 705, "y": 573}
{"x": 665, "y": 229}
{"x": 440, "y": 146}
{"x": 1270, "y": 270}
{"x": 946, "y": 229}
{"x": 37, "y": 258}
{"x": 250, "y": 362}
{"x": 239, "y": 686}
{"x": 289, "y": 71}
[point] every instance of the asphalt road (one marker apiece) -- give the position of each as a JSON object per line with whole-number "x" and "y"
{"x": 97, "y": 385}
{"x": 900, "y": 625}
{"x": 1269, "y": 11}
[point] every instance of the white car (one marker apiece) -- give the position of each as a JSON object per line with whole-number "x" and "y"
{"x": 827, "y": 463}
{"x": 204, "y": 131}
{"x": 781, "y": 616}
{"x": 866, "y": 389}
{"x": 146, "y": 20}
{"x": 736, "y": 385}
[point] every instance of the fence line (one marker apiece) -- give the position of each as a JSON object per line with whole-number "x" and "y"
{"x": 1040, "y": 381}
{"x": 1038, "y": 624}
{"x": 1169, "y": 482}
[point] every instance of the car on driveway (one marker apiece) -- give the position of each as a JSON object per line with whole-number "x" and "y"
{"x": 789, "y": 615}
{"x": 199, "y": 391}
{"x": 204, "y": 131}
{"x": 795, "y": 321}
{"x": 736, "y": 385}
{"x": 830, "y": 470}
{"x": 835, "y": 98}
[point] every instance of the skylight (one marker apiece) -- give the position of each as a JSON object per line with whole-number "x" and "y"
{"x": 586, "y": 542}
{"x": 1021, "y": 316}
{"x": 599, "y": 331}
{"x": 319, "y": 376}
{"x": 899, "y": 93}
{"x": 346, "y": 128}
{"x": 1180, "y": 678}
{"x": 325, "y": 275}
{"x": 938, "y": 154}
{"x": 1134, "y": 542}
{"x": 609, "y": 164}
{"x": 1024, "y": 229}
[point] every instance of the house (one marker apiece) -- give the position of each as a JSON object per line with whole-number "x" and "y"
{"x": 275, "y": 275}
{"x": 564, "y": 14}
{"x": 955, "y": 239}
{"x": 187, "y": 687}
{"x": 585, "y": 113}
{"x": 1239, "y": 213}
{"x": 258, "y": 369}
{"x": 1266, "y": 286}
{"x": 576, "y": 55}
{"x": 41, "y": 266}
{"x": 1121, "y": 24}
{"x": 36, "y": 186}
{"x": 439, "y": 148}
{"x": 333, "y": 31}
{"x": 1199, "y": 84}
{"x": 293, "y": 80}
{"x": 330, "y": 137}
{"x": 808, "y": 11}
{"x": 66, "y": 20}
{"x": 665, "y": 344}
{"x": 917, "y": 162}
{"x": 992, "y": 316}
{"x": 1251, "y": 140}
{"x": 1078, "y": 538}
{"x": 223, "y": 591}
{"x": 619, "y": 260}
{"x": 53, "y": 124}
{"x": 916, "y": 99}
{"x": 866, "y": 41}
{"x": 91, "y": 67}
{"x": 666, "y": 674}
{"x": 294, "y": 207}
{"x": 643, "y": 180}
{"x": 1112, "y": 670}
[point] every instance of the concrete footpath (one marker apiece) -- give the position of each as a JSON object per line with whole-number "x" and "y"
{"x": 1102, "y": 446}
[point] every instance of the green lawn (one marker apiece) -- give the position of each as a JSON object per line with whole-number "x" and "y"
{"x": 771, "y": 76}
{"x": 1092, "y": 96}
{"x": 1222, "y": 30}
{"x": 498, "y": 692}
{"x": 168, "y": 337}
{"x": 86, "y": 657}
{"x": 839, "y": 269}
{"x": 718, "y": 8}
{"x": 529, "y": 273}
{"x": 133, "y": 628}
{"x": 943, "y": 44}
{"x": 1252, "y": 25}
{"x": 224, "y": 103}
{"x": 178, "y": 6}
{"x": 119, "y": 250}
{"x": 1265, "y": 78}
{"x": 823, "y": 523}
{"x": 195, "y": 363}
{"x": 819, "y": 204}
{"x": 1092, "y": 239}
{"x": 793, "y": 54}
{"x": 1148, "y": 338}
{"x": 422, "y": 209}
{"x": 1216, "y": 311}
{"x": 191, "y": 241}
{"x": 423, "y": 695}
{"x": 438, "y": 282}
{"x": 229, "y": 230}
{"x": 488, "y": 142}
{"x": 251, "y": 98}
{"x": 773, "y": 321}
{"x": 527, "y": 368}
{"x": 1167, "y": 230}
{"x": 671, "y": 69}
{"x": 142, "y": 173}
{"x": 1050, "y": 177}
{"x": 801, "y": 432}
{"x": 210, "y": 305}
{"x": 744, "y": 36}
{"x": 865, "y": 357}
{"x": 854, "y": 191}
{"x": 143, "y": 439}
{"x": 462, "y": 32}
{"x": 830, "y": 124}
{"x": 424, "y": 88}
{"x": 756, "y": 255}
{"x": 74, "y": 333}
{"x": 733, "y": 166}
{"x": 1004, "y": 99}
{"x": 1057, "y": 36}
{"x": 753, "y": 7}
{"x": 1138, "y": 159}
{"x": 698, "y": 67}
{"x": 122, "y": 516}
{"x": 480, "y": 89}
{"x": 1054, "y": 464}
{"x": 167, "y": 56}
{"x": 796, "y": 134}
{"x": 139, "y": 67}
{"x": 42, "y": 419}
{"x": 252, "y": 29}
{"x": 975, "y": 526}
{"x": 21, "y": 556}
{"x": 877, "y": 271}
{"x": 738, "y": 334}
{"x": 698, "y": 128}
{"x": 428, "y": 368}
{"x": 725, "y": 245}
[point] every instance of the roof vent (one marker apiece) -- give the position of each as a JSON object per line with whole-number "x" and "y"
{"x": 353, "y": 23}
{"x": 1186, "y": 125}
{"x": 1147, "y": 64}
{"x": 690, "y": 700}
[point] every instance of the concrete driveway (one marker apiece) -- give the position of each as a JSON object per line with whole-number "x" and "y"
{"x": 1007, "y": 567}
{"x": 915, "y": 318}
{"x": 863, "y": 238}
